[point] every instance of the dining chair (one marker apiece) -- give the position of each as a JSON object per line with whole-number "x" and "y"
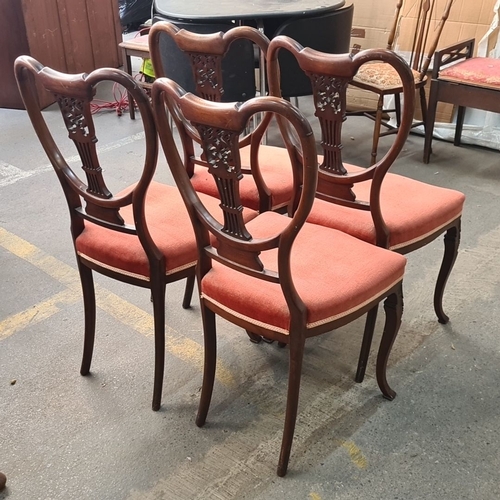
{"x": 276, "y": 275}
{"x": 272, "y": 182}
{"x": 384, "y": 81}
{"x": 387, "y": 210}
{"x": 140, "y": 235}
{"x": 329, "y": 32}
{"x": 464, "y": 80}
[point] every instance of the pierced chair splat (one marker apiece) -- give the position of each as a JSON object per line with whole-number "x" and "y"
{"x": 200, "y": 65}
{"x": 278, "y": 276}
{"x": 141, "y": 235}
{"x": 381, "y": 208}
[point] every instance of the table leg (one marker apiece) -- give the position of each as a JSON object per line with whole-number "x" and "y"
{"x": 127, "y": 66}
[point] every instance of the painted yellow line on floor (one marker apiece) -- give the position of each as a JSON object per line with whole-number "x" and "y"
{"x": 182, "y": 347}
{"x": 355, "y": 453}
{"x": 38, "y": 313}
{"x": 314, "y": 496}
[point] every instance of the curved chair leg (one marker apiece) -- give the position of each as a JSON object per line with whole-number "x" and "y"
{"x": 254, "y": 338}
{"x": 158, "y": 295}
{"x": 90, "y": 311}
{"x": 371, "y": 319}
{"x": 451, "y": 243}
{"x": 210, "y": 340}
{"x": 292, "y": 402}
{"x": 188, "y": 292}
{"x": 3, "y": 481}
{"x": 376, "y": 129}
{"x": 393, "y": 306}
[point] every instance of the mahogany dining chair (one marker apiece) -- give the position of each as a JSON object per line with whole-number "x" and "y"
{"x": 268, "y": 180}
{"x": 140, "y": 235}
{"x": 385, "y": 209}
{"x": 279, "y": 276}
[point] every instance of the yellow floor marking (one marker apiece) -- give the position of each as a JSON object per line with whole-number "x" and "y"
{"x": 355, "y": 454}
{"x": 314, "y": 496}
{"x": 37, "y": 313}
{"x": 182, "y": 347}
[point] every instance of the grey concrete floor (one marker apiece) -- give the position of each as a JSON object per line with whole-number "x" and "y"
{"x": 63, "y": 436}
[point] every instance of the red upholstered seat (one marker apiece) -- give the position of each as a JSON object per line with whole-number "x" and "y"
{"x": 412, "y": 210}
{"x": 166, "y": 214}
{"x": 274, "y": 163}
{"x": 360, "y": 273}
{"x": 479, "y": 71}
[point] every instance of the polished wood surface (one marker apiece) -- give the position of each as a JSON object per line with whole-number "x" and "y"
{"x": 66, "y": 35}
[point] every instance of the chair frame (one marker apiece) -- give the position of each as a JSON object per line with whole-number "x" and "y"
{"x": 334, "y": 182}
{"x": 458, "y": 93}
{"x": 419, "y": 61}
{"x": 209, "y": 49}
{"x": 236, "y": 248}
{"x": 74, "y": 94}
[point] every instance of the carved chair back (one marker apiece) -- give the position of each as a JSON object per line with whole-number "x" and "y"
{"x": 330, "y": 75}
{"x": 219, "y": 126}
{"x": 89, "y": 197}
{"x": 206, "y": 54}
{"x": 214, "y": 61}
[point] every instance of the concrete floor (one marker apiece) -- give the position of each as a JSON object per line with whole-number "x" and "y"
{"x": 64, "y": 436}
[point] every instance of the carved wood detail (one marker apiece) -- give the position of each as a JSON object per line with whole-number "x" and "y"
{"x": 207, "y": 75}
{"x": 78, "y": 120}
{"x": 330, "y": 102}
{"x": 221, "y": 151}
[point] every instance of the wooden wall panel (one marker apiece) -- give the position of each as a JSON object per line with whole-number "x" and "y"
{"x": 68, "y": 35}
{"x": 14, "y": 43}
{"x": 102, "y": 22}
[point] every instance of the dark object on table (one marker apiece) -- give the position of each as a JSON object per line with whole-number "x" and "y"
{"x": 3, "y": 481}
{"x": 133, "y": 13}
{"x": 473, "y": 82}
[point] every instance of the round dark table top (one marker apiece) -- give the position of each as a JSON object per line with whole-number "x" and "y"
{"x": 219, "y": 10}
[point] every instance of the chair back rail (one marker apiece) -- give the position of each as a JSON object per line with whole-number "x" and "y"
{"x": 89, "y": 198}
{"x": 219, "y": 126}
{"x": 330, "y": 75}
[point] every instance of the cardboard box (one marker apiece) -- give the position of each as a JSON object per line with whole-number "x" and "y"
{"x": 373, "y": 20}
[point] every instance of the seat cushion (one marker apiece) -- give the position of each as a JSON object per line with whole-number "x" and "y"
{"x": 333, "y": 273}
{"x": 169, "y": 225}
{"x": 276, "y": 170}
{"x": 478, "y": 71}
{"x": 381, "y": 76}
{"x": 411, "y": 209}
